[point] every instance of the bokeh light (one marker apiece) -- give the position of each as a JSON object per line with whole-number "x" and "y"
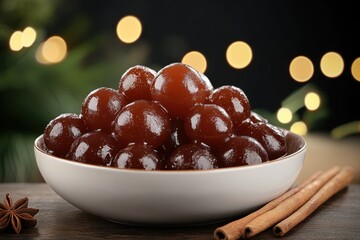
{"x": 284, "y": 115}
{"x": 312, "y": 101}
{"x": 355, "y": 69}
{"x": 129, "y": 29}
{"x": 195, "y": 59}
{"x": 15, "y": 42}
{"x": 28, "y": 37}
{"x": 239, "y": 54}
{"x": 20, "y": 39}
{"x": 52, "y": 50}
{"x": 299, "y": 128}
{"x": 301, "y": 69}
{"x": 332, "y": 64}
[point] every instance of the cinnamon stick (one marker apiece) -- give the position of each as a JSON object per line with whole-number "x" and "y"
{"x": 289, "y": 206}
{"x": 337, "y": 183}
{"x": 235, "y": 229}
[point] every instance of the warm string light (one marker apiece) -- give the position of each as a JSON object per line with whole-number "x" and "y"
{"x": 28, "y": 37}
{"x": 239, "y": 55}
{"x": 20, "y": 39}
{"x": 299, "y": 128}
{"x": 129, "y": 29}
{"x": 15, "y": 42}
{"x": 312, "y": 101}
{"x": 301, "y": 69}
{"x": 195, "y": 59}
{"x": 284, "y": 115}
{"x": 355, "y": 69}
{"x": 332, "y": 64}
{"x": 53, "y": 50}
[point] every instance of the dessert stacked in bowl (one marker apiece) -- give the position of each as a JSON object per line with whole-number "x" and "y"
{"x": 167, "y": 148}
{"x": 172, "y": 119}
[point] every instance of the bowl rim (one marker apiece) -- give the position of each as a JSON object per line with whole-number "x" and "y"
{"x": 188, "y": 171}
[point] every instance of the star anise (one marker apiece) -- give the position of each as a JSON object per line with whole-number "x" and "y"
{"x": 16, "y": 215}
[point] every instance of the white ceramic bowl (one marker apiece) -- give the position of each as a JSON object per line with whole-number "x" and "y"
{"x": 171, "y": 197}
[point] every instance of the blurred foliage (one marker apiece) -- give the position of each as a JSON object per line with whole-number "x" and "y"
{"x": 31, "y": 94}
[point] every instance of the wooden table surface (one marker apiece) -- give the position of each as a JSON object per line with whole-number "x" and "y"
{"x": 338, "y": 218}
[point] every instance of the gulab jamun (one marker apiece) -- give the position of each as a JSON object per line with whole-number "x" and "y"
{"x": 178, "y": 87}
{"x": 61, "y": 132}
{"x": 142, "y": 121}
{"x": 192, "y": 156}
{"x": 100, "y": 108}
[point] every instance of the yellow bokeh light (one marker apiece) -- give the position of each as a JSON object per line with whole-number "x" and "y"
{"x": 28, "y": 36}
{"x": 355, "y": 69}
{"x": 332, "y": 64}
{"x": 301, "y": 69}
{"x": 299, "y": 128}
{"x": 284, "y": 115}
{"x": 195, "y": 59}
{"x": 39, "y": 56}
{"x": 129, "y": 29}
{"x": 239, "y": 54}
{"x": 52, "y": 50}
{"x": 312, "y": 101}
{"x": 15, "y": 42}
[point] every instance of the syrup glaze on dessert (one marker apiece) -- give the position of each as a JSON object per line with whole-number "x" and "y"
{"x": 172, "y": 119}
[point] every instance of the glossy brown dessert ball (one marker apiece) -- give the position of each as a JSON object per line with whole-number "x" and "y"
{"x": 241, "y": 151}
{"x": 100, "y": 108}
{"x": 135, "y": 83}
{"x": 178, "y": 87}
{"x": 170, "y": 119}
{"x": 97, "y": 148}
{"x": 176, "y": 138}
{"x": 269, "y": 136}
{"x": 255, "y": 117}
{"x": 234, "y": 101}
{"x": 192, "y": 156}
{"x": 61, "y": 132}
{"x": 209, "y": 86}
{"x": 137, "y": 156}
{"x": 142, "y": 121}
{"x": 209, "y": 124}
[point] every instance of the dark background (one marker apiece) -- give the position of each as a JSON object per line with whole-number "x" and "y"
{"x": 31, "y": 94}
{"x": 277, "y": 31}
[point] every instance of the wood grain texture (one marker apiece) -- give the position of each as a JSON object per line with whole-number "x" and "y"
{"x": 338, "y": 218}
